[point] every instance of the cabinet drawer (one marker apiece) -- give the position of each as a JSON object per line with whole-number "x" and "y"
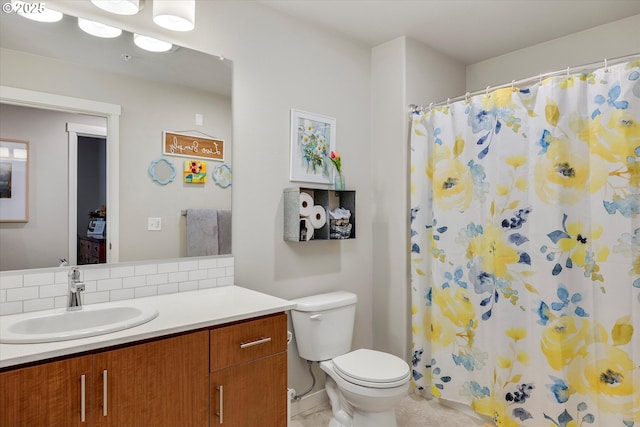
{"x": 248, "y": 340}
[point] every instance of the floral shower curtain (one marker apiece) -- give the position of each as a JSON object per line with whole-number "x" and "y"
{"x": 525, "y": 251}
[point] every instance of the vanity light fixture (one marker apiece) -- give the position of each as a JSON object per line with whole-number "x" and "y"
{"x": 151, "y": 44}
{"x": 98, "y": 29}
{"x": 119, "y": 7}
{"x": 176, "y": 15}
{"x": 35, "y": 11}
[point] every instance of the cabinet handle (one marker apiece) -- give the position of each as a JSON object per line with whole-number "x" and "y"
{"x": 256, "y": 342}
{"x": 105, "y": 392}
{"x": 220, "y": 414}
{"x": 82, "y": 398}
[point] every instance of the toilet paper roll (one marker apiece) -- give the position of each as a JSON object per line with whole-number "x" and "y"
{"x": 306, "y": 204}
{"x": 318, "y": 217}
{"x": 306, "y": 229}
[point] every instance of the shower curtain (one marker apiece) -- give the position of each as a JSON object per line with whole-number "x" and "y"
{"x": 525, "y": 251}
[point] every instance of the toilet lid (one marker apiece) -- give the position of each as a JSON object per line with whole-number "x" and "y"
{"x": 371, "y": 367}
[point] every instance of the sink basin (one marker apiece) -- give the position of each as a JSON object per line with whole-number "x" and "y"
{"x": 61, "y": 325}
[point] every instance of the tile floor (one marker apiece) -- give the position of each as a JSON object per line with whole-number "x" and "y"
{"x": 413, "y": 411}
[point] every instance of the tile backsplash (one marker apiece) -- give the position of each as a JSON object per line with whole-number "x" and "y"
{"x": 44, "y": 289}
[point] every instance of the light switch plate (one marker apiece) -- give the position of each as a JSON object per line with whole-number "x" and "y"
{"x": 154, "y": 224}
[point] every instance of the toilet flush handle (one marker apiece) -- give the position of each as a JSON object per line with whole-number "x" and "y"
{"x": 317, "y": 316}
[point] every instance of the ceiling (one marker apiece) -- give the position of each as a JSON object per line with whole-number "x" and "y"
{"x": 64, "y": 40}
{"x": 468, "y": 31}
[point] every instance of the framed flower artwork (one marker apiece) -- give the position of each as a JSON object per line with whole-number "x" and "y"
{"x": 313, "y": 139}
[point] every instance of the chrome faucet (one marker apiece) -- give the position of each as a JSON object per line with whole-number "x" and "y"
{"x": 74, "y": 302}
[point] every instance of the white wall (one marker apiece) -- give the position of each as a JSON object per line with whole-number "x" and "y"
{"x": 43, "y": 240}
{"x": 616, "y": 39}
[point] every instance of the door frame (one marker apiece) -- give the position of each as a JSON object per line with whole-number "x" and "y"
{"x": 49, "y": 101}
{"x": 74, "y": 130}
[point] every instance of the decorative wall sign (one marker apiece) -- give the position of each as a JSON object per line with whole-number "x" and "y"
{"x": 180, "y": 144}
{"x": 312, "y": 140}
{"x": 14, "y": 180}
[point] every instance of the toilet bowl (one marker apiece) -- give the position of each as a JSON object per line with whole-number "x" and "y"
{"x": 368, "y": 385}
{"x": 363, "y": 385}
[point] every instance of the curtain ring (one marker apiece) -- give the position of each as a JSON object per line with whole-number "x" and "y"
{"x": 540, "y": 80}
{"x": 486, "y": 92}
{"x": 513, "y": 85}
{"x": 466, "y": 97}
{"x": 448, "y": 99}
{"x": 606, "y": 69}
{"x": 568, "y": 71}
{"x": 430, "y": 106}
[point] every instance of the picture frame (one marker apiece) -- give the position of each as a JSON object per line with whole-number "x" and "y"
{"x": 186, "y": 145}
{"x": 313, "y": 138}
{"x": 14, "y": 180}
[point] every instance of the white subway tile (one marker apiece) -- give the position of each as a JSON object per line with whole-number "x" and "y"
{"x": 197, "y": 274}
{"x": 213, "y": 273}
{"x": 134, "y": 282}
{"x": 3, "y": 295}
{"x": 60, "y": 302}
{"x": 53, "y": 290}
{"x": 207, "y": 283}
{"x": 226, "y": 262}
{"x": 157, "y": 279}
{"x": 230, "y": 271}
{"x": 21, "y": 294}
{"x": 169, "y": 288}
{"x": 61, "y": 277}
{"x": 207, "y": 263}
{"x": 14, "y": 281}
{"x": 143, "y": 270}
{"x": 120, "y": 272}
{"x": 94, "y": 274}
{"x": 109, "y": 284}
{"x": 188, "y": 286}
{"x": 146, "y": 291}
{"x": 168, "y": 267}
{"x": 38, "y": 304}
{"x": 226, "y": 281}
{"x": 90, "y": 286}
{"x": 96, "y": 297}
{"x": 39, "y": 279}
{"x": 181, "y": 276}
{"x": 122, "y": 294}
{"x": 188, "y": 265}
{"x": 14, "y": 307}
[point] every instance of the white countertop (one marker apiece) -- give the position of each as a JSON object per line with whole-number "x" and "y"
{"x": 177, "y": 313}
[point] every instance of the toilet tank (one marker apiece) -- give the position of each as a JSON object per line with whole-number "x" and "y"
{"x": 323, "y": 324}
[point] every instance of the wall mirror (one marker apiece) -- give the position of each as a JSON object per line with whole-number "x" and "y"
{"x": 181, "y": 90}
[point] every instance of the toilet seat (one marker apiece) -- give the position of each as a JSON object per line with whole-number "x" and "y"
{"x": 371, "y": 368}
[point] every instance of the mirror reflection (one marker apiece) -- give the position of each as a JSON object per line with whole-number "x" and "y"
{"x": 181, "y": 90}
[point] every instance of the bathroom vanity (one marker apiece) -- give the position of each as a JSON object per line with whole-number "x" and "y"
{"x": 211, "y": 357}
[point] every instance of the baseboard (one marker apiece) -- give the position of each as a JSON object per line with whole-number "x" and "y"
{"x": 309, "y": 401}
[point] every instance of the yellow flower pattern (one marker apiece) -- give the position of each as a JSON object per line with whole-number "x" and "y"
{"x": 525, "y": 251}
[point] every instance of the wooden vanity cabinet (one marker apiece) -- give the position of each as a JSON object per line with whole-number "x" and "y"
{"x": 174, "y": 381}
{"x": 158, "y": 383}
{"x": 249, "y": 373}
{"x": 45, "y": 395}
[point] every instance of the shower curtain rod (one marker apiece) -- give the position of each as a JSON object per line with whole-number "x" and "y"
{"x": 606, "y": 62}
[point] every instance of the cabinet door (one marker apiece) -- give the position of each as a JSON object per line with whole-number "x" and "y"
{"x": 159, "y": 383}
{"x": 47, "y": 395}
{"x": 251, "y": 394}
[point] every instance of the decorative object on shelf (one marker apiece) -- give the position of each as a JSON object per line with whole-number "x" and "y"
{"x": 97, "y": 222}
{"x": 14, "y": 180}
{"x": 312, "y": 139}
{"x": 222, "y": 175}
{"x": 186, "y": 145}
{"x": 338, "y": 178}
{"x": 195, "y": 172}
{"x": 162, "y": 171}
{"x": 339, "y": 226}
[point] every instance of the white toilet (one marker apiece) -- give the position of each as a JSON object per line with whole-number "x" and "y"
{"x": 363, "y": 385}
